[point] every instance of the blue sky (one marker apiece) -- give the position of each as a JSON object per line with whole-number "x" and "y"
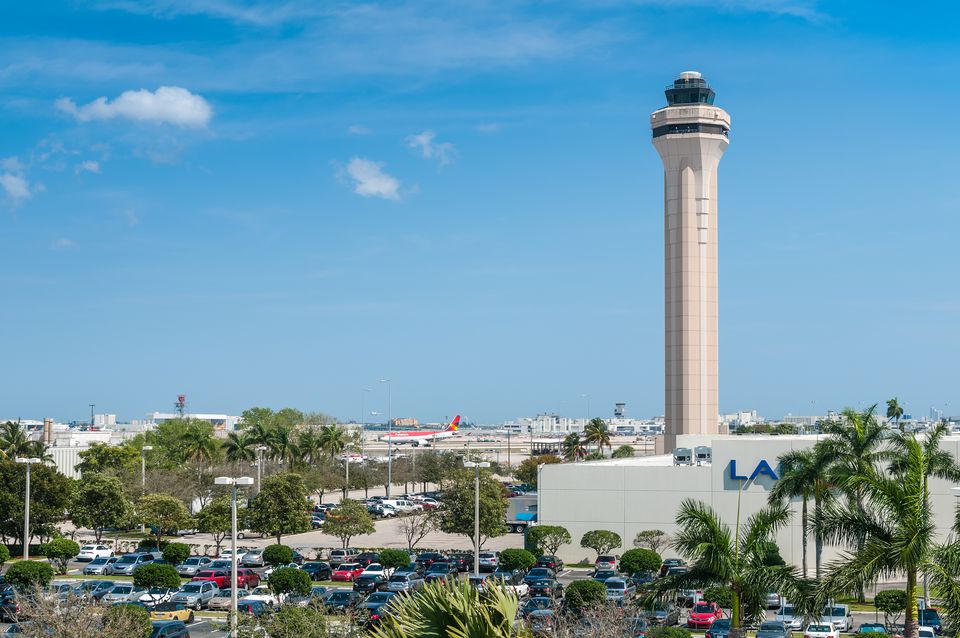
{"x": 279, "y": 203}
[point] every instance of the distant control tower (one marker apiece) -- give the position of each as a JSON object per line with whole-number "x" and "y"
{"x": 690, "y": 134}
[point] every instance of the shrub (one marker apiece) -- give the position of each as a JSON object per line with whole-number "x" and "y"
{"x": 394, "y": 558}
{"x": 640, "y": 560}
{"x": 151, "y": 575}
{"x": 723, "y": 596}
{"x": 276, "y": 555}
{"x": 668, "y": 632}
{"x": 176, "y": 553}
{"x": 29, "y": 573}
{"x": 290, "y": 580}
{"x": 548, "y": 538}
{"x": 133, "y": 618}
{"x": 601, "y": 540}
{"x": 585, "y": 593}
{"x": 511, "y": 559}
{"x": 151, "y": 545}
{"x": 892, "y": 602}
{"x": 60, "y": 551}
{"x": 4, "y": 554}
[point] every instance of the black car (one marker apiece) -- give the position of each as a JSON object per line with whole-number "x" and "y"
{"x": 671, "y": 562}
{"x": 545, "y": 587}
{"x": 538, "y": 573}
{"x": 428, "y": 558}
{"x": 9, "y": 609}
{"x": 369, "y": 583}
{"x": 298, "y": 558}
{"x": 536, "y": 603}
{"x": 551, "y": 562}
{"x": 371, "y": 610}
{"x": 776, "y": 629}
{"x": 318, "y": 570}
{"x": 169, "y": 629}
{"x": 366, "y": 558}
{"x": 642, "y": 578}
{"x": 463, "y": 562}
{"x": 342, "y": 601}
{"x": 440, "y": 570}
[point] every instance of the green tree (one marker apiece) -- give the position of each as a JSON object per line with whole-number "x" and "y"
{"x": 163, "y": 513}
{"x": 290, "y": 580}
{"x": 584, "y": 594}
{"x": 289, "y": 621}
{"x": 892, "y": 602}
{"x": 457, "y": 514}
{"x": 332, "y": 439}
{"x": 153, "y": 575}
{"x": 4, "y": 554}
{"x": 597, "y": 433}
{"x": 734, "y": 558}
{"x": 347, "y": 520}
{"x": 280, "y": 507}
{"x": 14, "y": 440}
{"x": 529, "y": 469}
{"x": 215, "y": 519}
{"x": 394, "y": 558}
{"x": 277, "y": 555}
{"x": 101, "y": 458}
{"x": 511, "y": 559}
{"x": 126, "y": 620}
{"x": 100, "y": 502}
{"x": 803, "y": 475}
{"x": 176, "y": 553}
{"x": 51, "y": 494}
{"x": 623, "y": 452}
{"x": 60, "y": 551}
{"x": 548, "y": 538}
{"x": 651, "y": 539}
{"x": 27, "y": 574}
{"x": 451, "y": 611}
{"x": 283, "y": 446}
{"x": 640, "y": 560}
{"x": 238, "y": 447}
{"x": 573, "y": 448}
{"x": 199, "y": 443}
{"x": 895, "y": 411}
{"x": 601, "y": 541}
{"x": 723, "y": 596}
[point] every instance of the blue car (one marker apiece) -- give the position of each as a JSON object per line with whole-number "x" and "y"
{"x": 169, "y": 629}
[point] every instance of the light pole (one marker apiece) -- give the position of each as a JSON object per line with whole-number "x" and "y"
{"x": 26, "y": 507}
{"x": 260, "y": 450}
{"x": 244, "y": 481}
{"x": 389, "y": 438}
{"x": 363, "y": 416}
{"x": 476, "y": 513}
{"x": 92, "y": 406}
{"x": 143, "y": 477}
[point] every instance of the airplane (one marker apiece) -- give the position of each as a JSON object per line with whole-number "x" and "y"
{"x": 423, "y": 436}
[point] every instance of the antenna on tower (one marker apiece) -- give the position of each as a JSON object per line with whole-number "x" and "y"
{"x": 181, "y": 404}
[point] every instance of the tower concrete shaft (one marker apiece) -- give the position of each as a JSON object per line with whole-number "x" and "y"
{"x": 691, "y": 136}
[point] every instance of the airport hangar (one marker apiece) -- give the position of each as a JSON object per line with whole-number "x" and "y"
{"x": 634, "y": 494}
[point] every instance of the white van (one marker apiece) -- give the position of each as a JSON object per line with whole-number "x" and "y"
{"x": 402, "y": 505}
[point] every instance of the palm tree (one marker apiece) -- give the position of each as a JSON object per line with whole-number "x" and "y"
{"x": 895, "y": 411}
{"x": 737, "y": 558}
{"x": 332, "y": 439}
{"x": 281, "y": 444}
{"x": 802, "y": 475}
{"x": 895, "y": 531}
{"x": 14, "y": 441}
{"x": 238, "y": 447}
{"x": 310, "y": 445}
{"x": 451, "y": 611}
{"x": 199, "y": 444}
{"x": 596, "y": 432}
{"x": 573, "y": 448}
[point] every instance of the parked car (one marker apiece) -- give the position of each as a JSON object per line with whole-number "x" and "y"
{"x": 662, "y": 613}
{"x": 688, "y": 597}
{"x": 123, "y": 593}
{"x": 542, "y": 622}
{"x": 620, "y": 590}
{"x": 821, "y": 630}
{"x": 642, "y": 578}
{"x": 367, "y": 558}
{"x": 318, "y": 570}
{"x": 155, "y": 596}
{"x": 539, "y": 573}
{"x": 255, "y": 608}
{"x": 346, "y": 572}
{"x": 774, "y": 629}
{"x": 551, "y": 562}
{"x": 925, "y": 631}
{"x": 264, "y": 594}
{"x": 218, "y": 576}
{"x": 535, "y": 603}
{"x": 671, "y": 562}
{"x": 606, "y": 561}
{"x": 253, "y": 558}
{"x": 367, "y": 583}
{"x": 89, "y": 552}
{"x": 316, "y": 522}
{"x": 601, "y": 575}
{"x": 412, "y": 568}
{"x": 719, "y": 629}
{"x": 839, "y": 615}
{"x": 440, "y": 570}
{"x": 377, "y": 568}
{"x": 169, "y": 629}
{"x": 220, "y": 563}
{"x": 171, "y": 611}
{"x": 489, "y": 561}
{"x": 464, "y": 562}
{"x": 373, "y": 607}
{"x": 129, "y": 562}
{"x": 930, "y": 617}
{"x": 338, "y": 556}
{"x": 867, "y": 628}
{"x": 196, "y": 594}
{"x": 192, "y": 565}
{"x": 429, "y": 558}
{"x": 273, "y": 568}
{"x": 547, "y": 587}
{"x": 703, "y": 614}
{"x": 773, "y": 601}
{"x": 405, "y": 582}
{"x": 221, "y": 600}
{"x": 227, "y": 554}
{"x": 342, "y": 601}
{"x": 99, "y": 566}
{"x": 94, "y": 589}
{"x": 787, "y": 615}
{"x": 512, "y": 580}
{"x": 318, "y": 594}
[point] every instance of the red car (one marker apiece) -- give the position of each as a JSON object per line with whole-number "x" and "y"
{"x": 347, "y": 572}
{"x": 247, "y": 578}
{"x": 219, "y": 576}
{"x": 703, "y": 614}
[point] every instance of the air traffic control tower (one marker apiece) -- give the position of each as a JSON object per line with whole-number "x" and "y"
{"x": 691, "y": 134}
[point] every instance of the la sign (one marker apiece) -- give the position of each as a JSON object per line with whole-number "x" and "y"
{"x": 762, "y": 469}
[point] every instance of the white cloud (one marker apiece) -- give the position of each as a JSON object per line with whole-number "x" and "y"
{"x": 16, "y": 187}
{"x": 88, "y": 166}
{"x": 11, "y": 164}
{"x": 488, "y": 127}
{"x": 443, "y": 152}
{"x": 62, "y": 244}
{"x": 358, "y": 129}
{"x": 166, "y": 105}
{"x": 369, "y": 180}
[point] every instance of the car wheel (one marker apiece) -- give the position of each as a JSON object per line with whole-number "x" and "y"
{"x": 241, "y": 535}
{"x": 198, "y": 606}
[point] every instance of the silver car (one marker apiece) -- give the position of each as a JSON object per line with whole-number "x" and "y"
{"x": 196, "y": 594}
{"x": 404, "y": 583}
{"x": 99, "y": 566}
{"x": 192, "y": 565}
{"x": 253, "y": 558}
{"x": 221, "y": 601}
{"x": 129, "y": 562}
{"x": 489, "y": 561}
{"x": 123, "y": 593}
{"x": 787, "y": 615}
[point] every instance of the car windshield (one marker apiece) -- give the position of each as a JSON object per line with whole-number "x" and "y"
{"x": 378, "y": 598}
{"x": 929, "y": 614}
{"x": 98, "y": 561}
{"x": 439, "y": 567}
{"x": 819, "y": 628}
{"x": 190, "y": 589}
{"x": 346, "y": 567}
{"x": 539, "y": 572}
{"x": 701, "y": 608}
{"x": 619, "y": 585}
{"x": 721, "y": 623}
{"x": 605, "y": 559}
{"x": 121, "y": 589}
{"x": 606, "y": 573}
{"x": 168, "y": 607}
{"x": 192, "y": 561}
{"x": 398, "y": 579}
{"x": 127, "y": 559}
{"x": 786, "y": 611}
{"x": 834, "y": 611}
{"x": 340, "y": 597}
{"x": 771, "y": 626}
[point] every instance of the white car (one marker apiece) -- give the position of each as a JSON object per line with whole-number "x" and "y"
{"x": 157, "y": 595}
{"x": 89, "y": 552}
{"x": 264, "y": 595}
{"x": 376, "y": 569}
{"x": 227, "y": 554}
{"x": 821, "y": 630}
{"x": 271, "y": 569}
{"x": 787, "y": 615}
{"x": 926, "y": 632}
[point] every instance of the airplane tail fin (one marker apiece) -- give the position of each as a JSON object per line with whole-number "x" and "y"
{"x": 454, "y": 424}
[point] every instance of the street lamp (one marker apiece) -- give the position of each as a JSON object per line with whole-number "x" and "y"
{"x": 241, "y": 481}
{"x": 389, "y": 438}
{"x": 260, "y": 450}
{"x": 363, "y": 417}
{"x": 476, "y": 513}
{"x": 26, "y": 507}
{"x": 143, "y": 477}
